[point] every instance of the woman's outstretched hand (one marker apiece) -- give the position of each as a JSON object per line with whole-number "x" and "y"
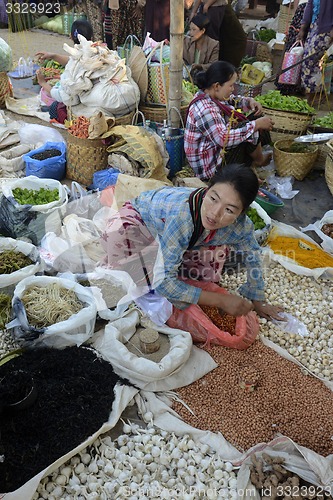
{"x": 267, "y": 311}
{"x": 235, "y": 305}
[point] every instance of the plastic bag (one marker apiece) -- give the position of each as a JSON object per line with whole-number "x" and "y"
{"x": 78, "y": 203}
{"x": 195, "y": 321}
{"x": 76, "y": 330}
{"x": 104, "y": 178}
{"x": 49, "y": 168}
{"x": 291, "y": 324}
{"x": 31, "y": 221}
{"x": 327, "y": 241}
{"x": 157, "y": 307}
{"x": 7, "y": 281}
{"x": 36, "y": 134}
{"x": 283, "y": 186}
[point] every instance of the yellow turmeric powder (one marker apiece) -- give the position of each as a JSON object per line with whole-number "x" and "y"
{"x": 301, "y": 251}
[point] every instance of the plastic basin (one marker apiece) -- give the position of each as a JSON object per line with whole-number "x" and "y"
{"x": 269, "y": 202}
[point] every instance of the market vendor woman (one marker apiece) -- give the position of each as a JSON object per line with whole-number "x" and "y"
{"x": 215, "y": 132}
{"x": 192, "y": 229}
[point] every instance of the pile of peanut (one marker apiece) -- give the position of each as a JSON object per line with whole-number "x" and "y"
{"x": 223, "y": 321}
{"x": 284, "y": 400}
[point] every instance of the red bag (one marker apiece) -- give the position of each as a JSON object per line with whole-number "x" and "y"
{"x": 294, "y": 56}
{"x": 194, "y": 320}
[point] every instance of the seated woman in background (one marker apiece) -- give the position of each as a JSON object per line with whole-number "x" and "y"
{"x": 192, "y": 229}
{"x": 215, "y": 133}
{"x": 200, "y": 51}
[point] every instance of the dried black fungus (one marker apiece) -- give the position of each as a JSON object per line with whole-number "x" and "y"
{"x": 75, "y": 396}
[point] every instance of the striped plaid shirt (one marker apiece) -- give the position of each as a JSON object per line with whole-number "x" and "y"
{"x": 167, "y": 215}
{"x": 206, "y": 133}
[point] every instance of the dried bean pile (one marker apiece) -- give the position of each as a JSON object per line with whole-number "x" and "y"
{"x": 285, "y": 401}
{"x": 224, "y": 321}
{"x": 75, "y": 397}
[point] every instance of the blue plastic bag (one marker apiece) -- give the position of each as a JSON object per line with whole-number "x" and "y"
{"x": 104, "y": 178}
{"x": 50, "y": 168}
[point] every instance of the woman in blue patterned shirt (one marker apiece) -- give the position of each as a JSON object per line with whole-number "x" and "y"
{"x": 167, "y": 235}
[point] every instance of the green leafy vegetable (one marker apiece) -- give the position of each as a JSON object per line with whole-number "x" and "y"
{"x": 258, "y": 222}
{"x": 266, "y": 35}
{"x": 325, "y": 121}
{"x": 275, "y": 100}
{"x": 25, "y": 196}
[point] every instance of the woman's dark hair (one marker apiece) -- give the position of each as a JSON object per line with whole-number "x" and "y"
{"x": 241, "y": 178}
{"x": 218, "y": 72}
{"x": 201, "y": 20}
{"x": 81, "y": 27}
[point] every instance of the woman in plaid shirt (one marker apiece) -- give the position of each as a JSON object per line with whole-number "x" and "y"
{"x": 169, "y": 234}
{"x": 215, "y": 133}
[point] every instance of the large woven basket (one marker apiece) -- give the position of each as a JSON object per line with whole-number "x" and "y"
{"x": 159, "y": 113}
{"x": 322, "y": 148}
{"x": 287, "y": 124}
{"x": 84, "y": 158}
{"x": 285, "y": 16}
{"x": 295, "y": 164}
{"x": 329, "y": 166}
{"x": 5, "y": 89}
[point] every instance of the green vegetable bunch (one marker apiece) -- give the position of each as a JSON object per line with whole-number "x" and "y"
{"x": 266, "y": 35}
{"x": 25, "y": 196}
{"x": 275, "y": 100}
{"x": 190, "y": 87}
{"x": 258, "y": 222}
{"x": 325, "y": 121}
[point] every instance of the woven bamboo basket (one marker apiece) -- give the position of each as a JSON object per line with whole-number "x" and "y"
{"x": 285, "y": 16}
{"x": 322, "y": 148}
{"x": 159, "y": 113}
{"x": 295, "y": 164}
{"x": 287, "y": 124}
{"x": 84, "y": 158}
{"x": 329, "y": 166}
{"x": 5, "y": 89}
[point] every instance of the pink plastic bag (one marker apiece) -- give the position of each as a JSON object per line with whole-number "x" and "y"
{"x": 194, "y": 320}
{"x": 294, "y": 56}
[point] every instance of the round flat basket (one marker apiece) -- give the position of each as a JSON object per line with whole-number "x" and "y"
{"x": 5, "y": 89}
{"x": 246, "y": 90}
{"x": 295, "y": 164}
{"x": 329, "y": 167}
{"x": 159, "y": 113}
{"x": 287, "y": 124}
{"x": 84, "y": 158}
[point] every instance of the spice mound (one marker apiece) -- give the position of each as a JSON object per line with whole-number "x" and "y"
{"x": 46, "y": 306}
{"x": 283, "y": 401}
{"x": 47, "y": 153}
{"x": 303, "y": 252}
{"x": 223, "y": 321}
{"x": 73, "y": 401}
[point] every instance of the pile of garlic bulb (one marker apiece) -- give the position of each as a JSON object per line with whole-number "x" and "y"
{"x": 310, "y": 301}
{"x": 142, "y": 463}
